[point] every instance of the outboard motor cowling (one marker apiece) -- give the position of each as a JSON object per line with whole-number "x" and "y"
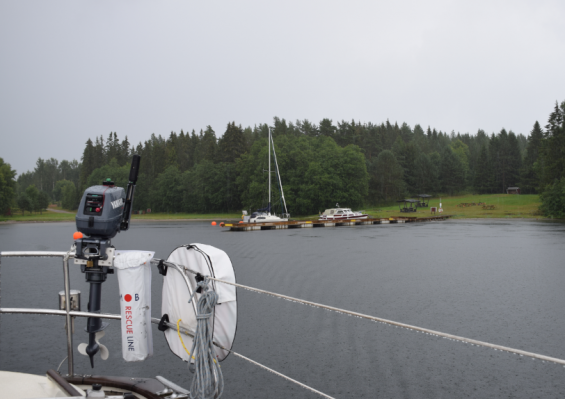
{"x": 101, "y": 210}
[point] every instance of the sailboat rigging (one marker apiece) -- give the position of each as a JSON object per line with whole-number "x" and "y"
{"x": 264, "y": 214}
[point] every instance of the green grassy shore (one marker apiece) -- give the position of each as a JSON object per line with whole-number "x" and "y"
{"x": 505, "y": 206}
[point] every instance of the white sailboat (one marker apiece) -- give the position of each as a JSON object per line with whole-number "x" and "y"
{"x": 264, "y": 215}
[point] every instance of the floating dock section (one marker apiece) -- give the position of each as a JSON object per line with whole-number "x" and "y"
{"x": 301, "y": 224}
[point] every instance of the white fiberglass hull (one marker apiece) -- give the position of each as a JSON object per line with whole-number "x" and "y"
{"x": 267, "y": 219}
{"x": 26, "y": 386}
{"x": 344, "y": 217}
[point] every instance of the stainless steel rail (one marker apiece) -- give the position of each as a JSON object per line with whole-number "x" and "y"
{"x": 34, "y": 254}
{"x": 53, "y": 254}
{"x": 67, "y": 312}
{"x": 73, "y": 313}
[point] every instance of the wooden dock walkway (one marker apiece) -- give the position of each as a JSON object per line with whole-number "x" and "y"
{"x": 297, "y": 224}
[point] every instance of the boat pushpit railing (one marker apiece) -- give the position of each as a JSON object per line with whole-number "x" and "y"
{"x": 68, "y": 313}
{"x": 65, "y": 256}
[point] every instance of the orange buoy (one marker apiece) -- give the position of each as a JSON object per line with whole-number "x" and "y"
{"x": 213, "y": 223}
{"x": 77, "y": 235}
{"x": 241, "y": 221}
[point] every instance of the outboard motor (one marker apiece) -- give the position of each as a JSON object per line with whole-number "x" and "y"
{"x": 103, "y": 212}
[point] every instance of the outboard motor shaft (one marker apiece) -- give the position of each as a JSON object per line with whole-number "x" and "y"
{"x": 103, "y": 212}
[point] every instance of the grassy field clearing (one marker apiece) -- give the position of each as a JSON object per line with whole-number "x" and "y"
{"x": 505, "y": 206}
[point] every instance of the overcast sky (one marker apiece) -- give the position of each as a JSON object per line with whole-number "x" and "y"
{"x": 73, "y": 70}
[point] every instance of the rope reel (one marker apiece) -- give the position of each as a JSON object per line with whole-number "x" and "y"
{"x": 192, "y": 300}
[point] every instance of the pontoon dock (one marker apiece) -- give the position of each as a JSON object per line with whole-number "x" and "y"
{"x": 297, "y": 224}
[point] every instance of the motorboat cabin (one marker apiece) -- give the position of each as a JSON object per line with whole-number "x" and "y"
{"x": 342, "y": 214}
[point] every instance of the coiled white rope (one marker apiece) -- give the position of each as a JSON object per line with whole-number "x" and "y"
{"x": 208, "y": 381}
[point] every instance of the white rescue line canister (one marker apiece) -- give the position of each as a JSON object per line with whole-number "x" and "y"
{"x": 134, "y": 279}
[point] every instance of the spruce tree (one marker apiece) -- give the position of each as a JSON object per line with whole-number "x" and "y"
{"x": 406, "y": 132}
{"x": 112, "y": 149}
{"x": 411, "y": 153}
{"x": 556, "y": 120}
{"x": 388, "y": 175}
{"x": 482, "y": 173}
{"x": 99, "y": 157}
{"x": 232, "y": 144}
{"x": 208, "y": 144}
{"x": 514, "y": 160}
{"x": 553, "y": 157}
{"x": 426, "y": 175}
{"x": 327, "y": 128}
{"x": 124, "y": 152}
{"x": 183, "y": 151}
{"x": 421, "y": 139}
{"x": 172, "y": 158}
{"x": 452, "y": 172}
{"x": 88, "y": 163}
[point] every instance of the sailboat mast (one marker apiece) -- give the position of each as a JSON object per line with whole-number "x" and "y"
{"x": 269, "y": 170}
{"x": 279, "y": 176}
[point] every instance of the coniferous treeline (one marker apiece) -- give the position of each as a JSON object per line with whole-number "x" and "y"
{"x": 549, "y": 166}
{"x": 348, "y": 162}
{"x": 352, "y": 163}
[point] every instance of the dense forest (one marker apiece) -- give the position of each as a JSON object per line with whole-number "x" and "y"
{"x": 355, "y": 164}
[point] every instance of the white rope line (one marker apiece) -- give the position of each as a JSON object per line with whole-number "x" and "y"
{"x": 191, "y": 334}
{"x": 283, "y": 376}
{"x": 402, "y": 325}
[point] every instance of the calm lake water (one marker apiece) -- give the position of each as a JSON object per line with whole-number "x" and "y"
{"x": 495, "y": 281}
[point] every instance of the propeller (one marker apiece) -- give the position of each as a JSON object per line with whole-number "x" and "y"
{"x": 93, "y": 347}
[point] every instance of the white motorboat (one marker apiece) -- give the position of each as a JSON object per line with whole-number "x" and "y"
{"x": 264, "y": 215}
{"x": 339, "y": 213}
